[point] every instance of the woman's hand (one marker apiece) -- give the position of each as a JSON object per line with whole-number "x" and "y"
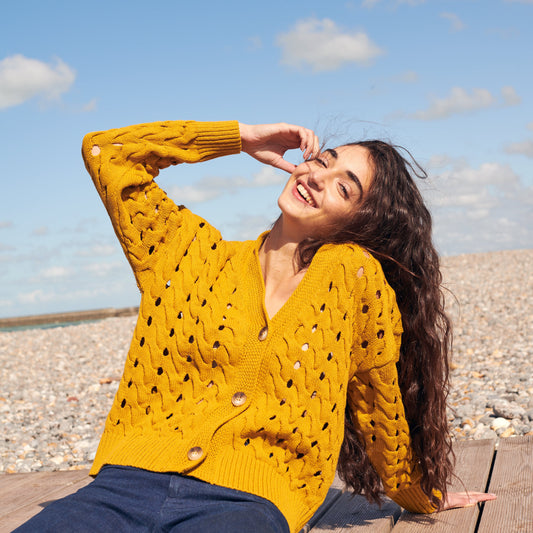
{"x": 269, "y": 142}
{"x": 466, "y": 499}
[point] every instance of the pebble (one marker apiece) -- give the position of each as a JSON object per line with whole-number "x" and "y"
{"x": 57, "y": 384}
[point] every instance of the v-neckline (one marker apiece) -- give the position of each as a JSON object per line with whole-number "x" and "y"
{"x": 259, "y": 271}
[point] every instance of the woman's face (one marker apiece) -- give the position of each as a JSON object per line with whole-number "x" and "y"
{"x": 324, "y": 192}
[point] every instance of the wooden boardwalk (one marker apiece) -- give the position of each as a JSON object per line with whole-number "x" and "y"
{"x": 504, "y": 467}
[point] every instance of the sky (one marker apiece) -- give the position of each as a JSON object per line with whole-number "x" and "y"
{"x": 450, "y": 80}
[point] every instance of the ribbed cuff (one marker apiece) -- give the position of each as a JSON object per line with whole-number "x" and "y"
{"x": 216, "y": 139}
{"x": 413, "y": 499}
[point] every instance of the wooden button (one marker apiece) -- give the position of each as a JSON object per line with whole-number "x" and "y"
{"x": 238, "y": 399}
{"x": 263, "y": 334}
{"x": 195, "y": 453}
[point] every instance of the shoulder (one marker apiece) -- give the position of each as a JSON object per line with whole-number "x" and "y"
{"x": 355, "y": 262}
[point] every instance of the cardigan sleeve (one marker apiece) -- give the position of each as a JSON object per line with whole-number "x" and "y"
{"x": 123, "y": 164}
{"x": 374, "y": 395}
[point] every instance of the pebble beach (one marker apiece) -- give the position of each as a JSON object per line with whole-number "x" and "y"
{"x": 57, "y": 384}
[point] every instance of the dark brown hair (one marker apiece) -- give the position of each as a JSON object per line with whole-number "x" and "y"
{"x": 393, "y": 223}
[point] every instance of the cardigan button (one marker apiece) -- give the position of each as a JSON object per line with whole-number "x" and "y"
{"x": 195, "y": 453}
{"x": 238, "y": 399}
{"x": 263, "y": 333}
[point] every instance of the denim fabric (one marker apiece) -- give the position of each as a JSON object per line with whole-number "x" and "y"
{"x": 125, "y": 499}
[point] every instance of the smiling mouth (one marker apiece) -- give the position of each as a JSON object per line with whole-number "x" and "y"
{"x": 305, "y": 195}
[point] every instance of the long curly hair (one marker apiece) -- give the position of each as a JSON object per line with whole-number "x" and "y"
{"x": 393, "y": 223}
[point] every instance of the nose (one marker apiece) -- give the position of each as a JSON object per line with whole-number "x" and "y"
{"x": 317, "y": 177}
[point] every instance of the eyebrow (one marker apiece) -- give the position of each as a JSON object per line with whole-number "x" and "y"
{"x": 349, "y": 173}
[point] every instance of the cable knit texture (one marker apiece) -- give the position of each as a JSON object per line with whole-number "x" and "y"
{"x": 212, "y": 386}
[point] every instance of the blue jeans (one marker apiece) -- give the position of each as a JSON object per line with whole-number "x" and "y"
{"x": 125, "y": 499}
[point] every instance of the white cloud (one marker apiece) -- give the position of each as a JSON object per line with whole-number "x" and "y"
{"x": 55, "y": 272}
{"x": 97, "y": 250}
{"x": 36, "y": 296}
{"x": 478, "y": 208}
{"x": 103, "y": 270}
{"x": 6, "y": 224}
{"x": 509, "y": 96}
{"x": 248, "y": 227}
{"x": 460, "y": 101}
{"x": 323, "y": 46}
{"x": 90, "y": 106}
{"x": 22, "y": 78}
{"x": 213, "y": 187}
{"x": 456, "y": 24}
{"x": 524, "y": 148}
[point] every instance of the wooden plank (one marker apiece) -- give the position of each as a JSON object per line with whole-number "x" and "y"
{"x": 334, "y": 494}
{"x": 24, "y": 495}
{"x": 17, "y": 490}
{"x": 354, "y": 514}
{"x": 474, "y": 459}
{"x": 512, "y": 482}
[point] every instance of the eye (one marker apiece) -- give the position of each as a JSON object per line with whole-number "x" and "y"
{"x": 321, "y": 161}
{"x": 344, "y": 191}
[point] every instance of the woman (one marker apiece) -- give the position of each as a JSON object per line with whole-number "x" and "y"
{"x": 254, "y": 364}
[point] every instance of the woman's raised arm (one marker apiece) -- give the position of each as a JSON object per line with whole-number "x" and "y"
{"x": 268, "y": 143}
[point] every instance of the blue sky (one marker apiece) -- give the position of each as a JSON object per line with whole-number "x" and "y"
{"x": 451, "y": 80}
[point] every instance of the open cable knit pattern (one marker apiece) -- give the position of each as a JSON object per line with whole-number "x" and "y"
{"x": 215, "y": 388}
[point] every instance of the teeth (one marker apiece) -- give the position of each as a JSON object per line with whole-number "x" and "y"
{"x": 301, "y": 189}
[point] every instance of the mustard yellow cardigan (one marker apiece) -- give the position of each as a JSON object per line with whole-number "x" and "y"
{"x": 215, "y": 388}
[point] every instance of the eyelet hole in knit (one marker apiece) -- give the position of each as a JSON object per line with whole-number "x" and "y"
{"x": 330, "y": 356}
{"x": 297, "y": 365}
{"x": 364, "y": 309}
{"x": 314, "y": 328}
{"x": 380, "y": 334}
{"x": 95, "y": 150}
{"x": 360, "y": 272}
{"x": 305, "y": 347}
{"x": 378, "y": 294}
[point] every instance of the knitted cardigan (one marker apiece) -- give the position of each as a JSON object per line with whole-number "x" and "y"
{"x": 215, "y": 388}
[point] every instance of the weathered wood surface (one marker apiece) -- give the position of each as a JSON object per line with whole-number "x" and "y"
{"x": 507, "y": 471}
{"x": 24, "y": 495}
{"x": 512, "y": 481}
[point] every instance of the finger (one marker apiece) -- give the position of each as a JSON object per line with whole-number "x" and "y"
{"x": 284, "y": 165}
{"x": 308, "y": 143}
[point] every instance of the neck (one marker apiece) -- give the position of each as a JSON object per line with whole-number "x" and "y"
{"x": 278, "y": 253}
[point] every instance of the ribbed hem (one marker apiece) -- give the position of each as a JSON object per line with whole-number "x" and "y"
{"x": 227, "y": 468}
{"x": 243, "y": 471}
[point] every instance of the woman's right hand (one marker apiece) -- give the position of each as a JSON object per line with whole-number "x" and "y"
{"x": 268, "y": 143}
